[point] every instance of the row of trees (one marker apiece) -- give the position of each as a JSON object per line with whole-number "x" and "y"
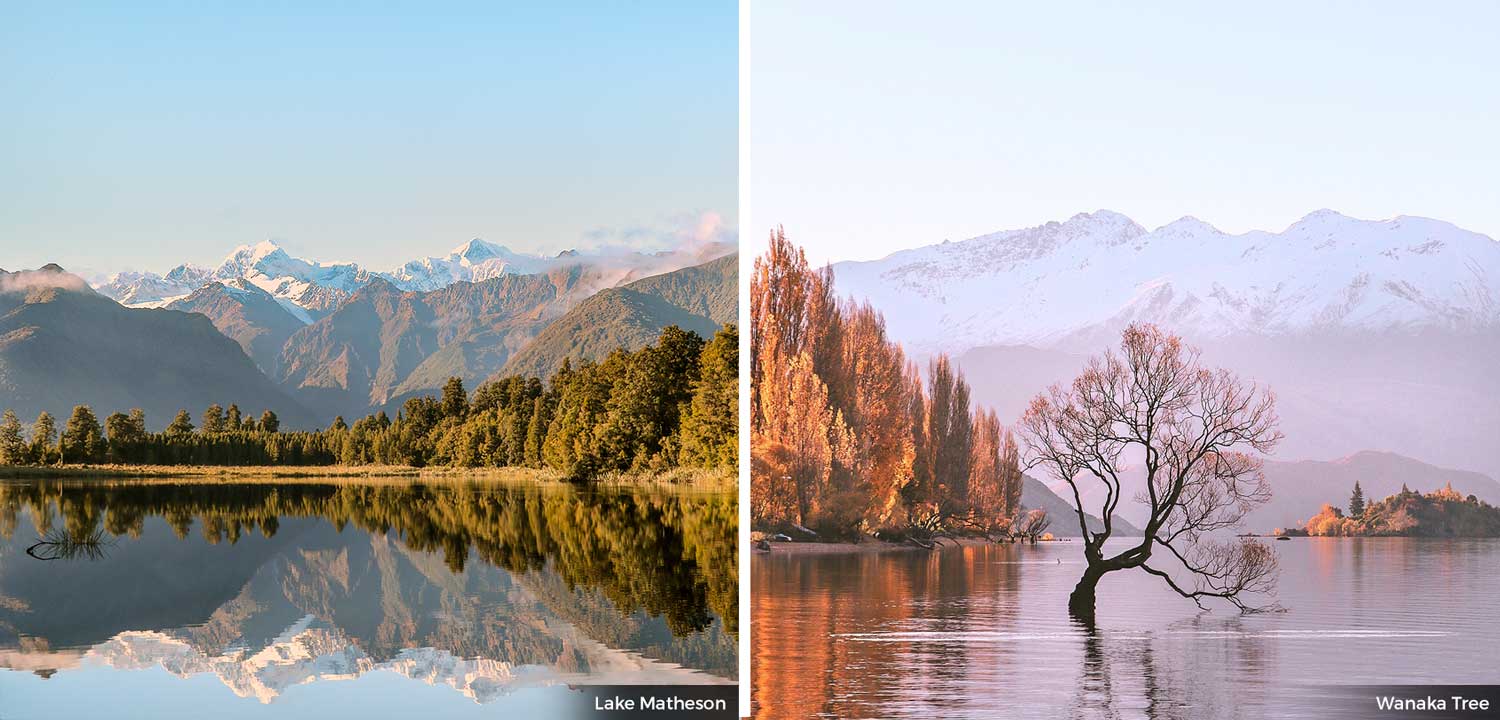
{"x": 667, "y": 405}
{"x": 119, "y": 439}
{"x": 846, "y": 436}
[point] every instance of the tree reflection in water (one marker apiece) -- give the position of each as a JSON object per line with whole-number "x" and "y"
{"x": 603, "y": 561}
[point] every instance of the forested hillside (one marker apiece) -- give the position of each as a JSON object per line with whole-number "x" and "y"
{"x": 667, "y": 405}
{"x": 699, "y": 298}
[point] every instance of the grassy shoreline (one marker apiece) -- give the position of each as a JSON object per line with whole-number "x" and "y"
{"x": 721, "y": 479}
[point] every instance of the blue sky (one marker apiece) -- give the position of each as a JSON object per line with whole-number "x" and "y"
{"x": 141, "y": 135}
{"x": 880, "y": 126}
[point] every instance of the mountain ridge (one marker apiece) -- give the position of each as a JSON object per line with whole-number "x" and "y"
{"x": 1065, "y": 285}
{"x": 62, "y": 344}
{"x": 700, "y": 299}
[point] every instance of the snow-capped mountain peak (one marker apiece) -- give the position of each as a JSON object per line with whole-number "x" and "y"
{"x": 1187, "y": 226}
{"x": 477, "y": 250}
{"x": 1062, "y": 283}
{"x": 311, "y": 289}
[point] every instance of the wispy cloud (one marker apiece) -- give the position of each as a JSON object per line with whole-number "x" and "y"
{"x": 683, "y": 232}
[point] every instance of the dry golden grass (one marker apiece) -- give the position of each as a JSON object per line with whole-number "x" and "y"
{"x": 251, "y": 472}
{"x": 696, "y": 478}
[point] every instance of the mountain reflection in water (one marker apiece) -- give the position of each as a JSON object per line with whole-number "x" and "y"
{"x": 485, "y": 588}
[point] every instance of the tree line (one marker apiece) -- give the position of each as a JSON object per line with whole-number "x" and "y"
{"x": 847, "y": 438}
{"x": 670, "y": 404}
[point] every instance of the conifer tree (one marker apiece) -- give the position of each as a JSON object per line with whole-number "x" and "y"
{"x": 12, "y": 441}
{"x": 81, "y": 441}
{"x": 43, "y": 437}
{"x": 455, "y": 400}
{"x": 181, "y": 425}
{"x": 1357, "y": 502}
{"x": 213, "y": 419}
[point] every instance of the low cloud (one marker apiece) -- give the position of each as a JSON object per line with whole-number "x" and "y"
{"x": 690, "y": 232}
{"x": 48, "y": 277}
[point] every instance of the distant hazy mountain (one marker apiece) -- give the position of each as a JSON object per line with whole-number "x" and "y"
{"x": 1074, "y": 284}
{"x": 1429, "y": 396}
{"x": 701, "y": 299}
{"x": 246, "y": 314}
{"x": 1299, "y": 489}
{"x": 62, "y": 344}
{"x": 1035, "y": 494}
{"x": 385, "y": 343}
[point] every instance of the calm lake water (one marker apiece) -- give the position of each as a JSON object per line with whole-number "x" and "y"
{"x": 354, "y": 599}
{"x": 983, "y": 632}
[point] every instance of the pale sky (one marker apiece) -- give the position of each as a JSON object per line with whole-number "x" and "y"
{"x": 144, "y": 134}
{"x": 882, "y": 126}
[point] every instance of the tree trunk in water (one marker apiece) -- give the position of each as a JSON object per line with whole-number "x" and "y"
{"x": 1081, "y": 602}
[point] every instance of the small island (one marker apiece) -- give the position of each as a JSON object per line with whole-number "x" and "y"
{"x": 1443, "y": 513}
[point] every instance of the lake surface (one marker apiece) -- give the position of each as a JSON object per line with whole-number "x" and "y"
{"x": 983, "y": 632}
{"x": 353, "y": 598}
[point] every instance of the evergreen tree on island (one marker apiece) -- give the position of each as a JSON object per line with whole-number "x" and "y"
{"x": 1357, "y": 502}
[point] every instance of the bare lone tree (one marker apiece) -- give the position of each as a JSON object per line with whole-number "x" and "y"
{"x": 1199, "y": 434}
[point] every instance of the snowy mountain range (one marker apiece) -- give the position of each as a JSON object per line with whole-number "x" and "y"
{"x": 1069, "y": 285}
{"x": 310, "y": 289}
{"x": 313, "y": 651}
{"x": 1374, "y": 335}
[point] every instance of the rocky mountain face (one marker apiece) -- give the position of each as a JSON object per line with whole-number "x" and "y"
{"x": 344, "y": 340}
{"x": 700, "y": 299}
{"x": 62, "y": 344}
{"x": 1375, "y": 335}
{"x": 384, "y": 343}
{"x": 246, "y": 314}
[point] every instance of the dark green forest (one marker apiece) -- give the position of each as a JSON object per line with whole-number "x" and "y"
{"x": 668, "y": 405}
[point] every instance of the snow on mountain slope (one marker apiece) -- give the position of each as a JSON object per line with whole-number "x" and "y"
{"x": 1075, "y": 283}
{"x": 473, "y": 261}
{"x": 309, "y": 285}
{"x": 137, "y": 289}
{"x": 311, "y": 651}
